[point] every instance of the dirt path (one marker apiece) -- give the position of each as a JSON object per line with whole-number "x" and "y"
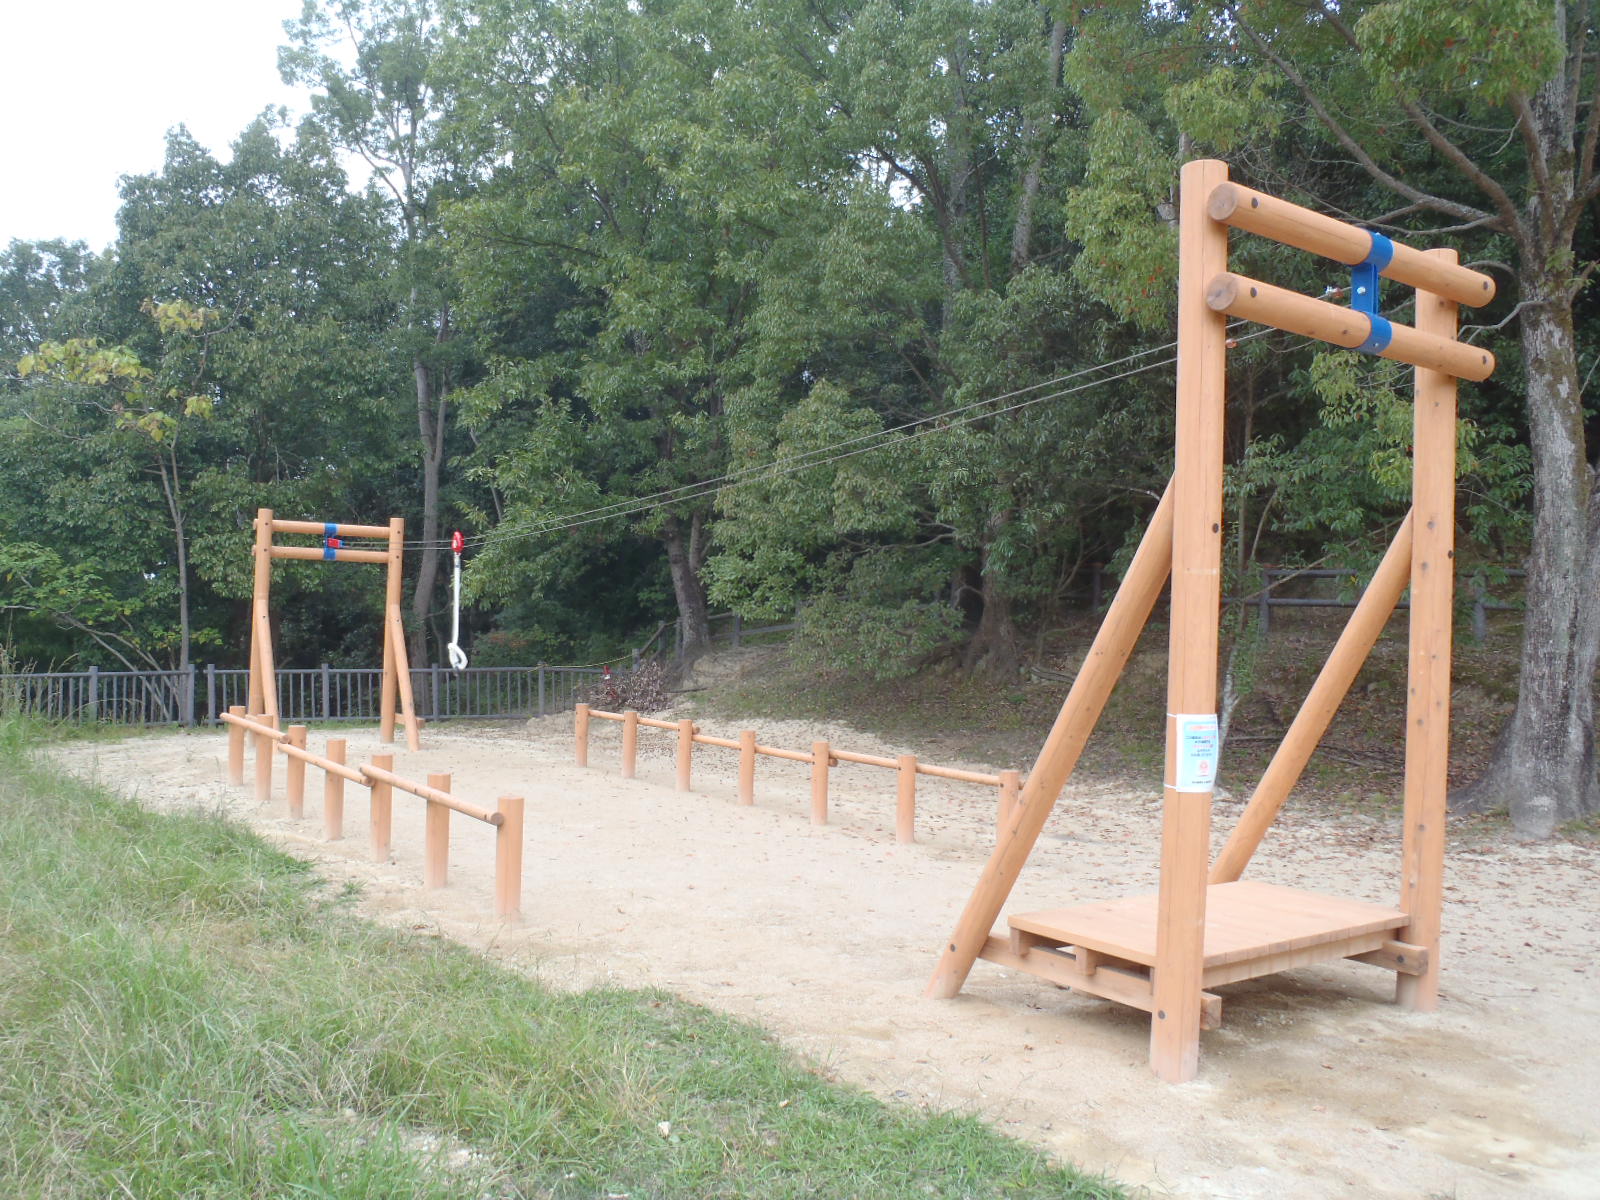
{"x": 1315, "y": 1086}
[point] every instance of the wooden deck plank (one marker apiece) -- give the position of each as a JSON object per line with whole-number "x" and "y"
{"x": 1246, "y": 922}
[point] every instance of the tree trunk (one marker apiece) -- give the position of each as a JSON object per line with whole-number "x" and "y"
{"x": 993, "y": 649}
{"x": 431, "y": 416}
{"x": 1022, "y": 227}
{"x": 1544, "y": 767}
{"x": 684, "y": 548}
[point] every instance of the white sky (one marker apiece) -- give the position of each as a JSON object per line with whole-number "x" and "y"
{"x": 89, "y": 88}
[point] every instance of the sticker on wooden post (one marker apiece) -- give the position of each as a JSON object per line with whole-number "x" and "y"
{"x": 1196, "y": 767}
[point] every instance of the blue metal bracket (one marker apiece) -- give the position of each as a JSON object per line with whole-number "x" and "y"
{"x": 1364, "y": 292}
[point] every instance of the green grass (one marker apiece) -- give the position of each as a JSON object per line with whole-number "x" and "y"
{"x": 185, "y": 1011}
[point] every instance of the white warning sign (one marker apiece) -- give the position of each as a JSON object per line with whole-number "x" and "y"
{"x": 1197, "y": 752}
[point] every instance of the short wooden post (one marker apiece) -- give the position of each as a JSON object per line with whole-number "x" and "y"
{"x": 630, "y": 742}
{"x": 294, "y": 774}
{"x": 685, "y": 752}
{"x": 236, "y": 746}
{"x": 265, "y": 748}
{"x": 381, "y": 809}
{"x": 905, "y": 808}
{"x": 747, "y": 766}
{"x": 580, "y": 733}
{"x": 1010, "y": 792}
{"x": 819, "y": 783}
{"x": 436, "y": 836}
{"x": 508, "y": 858}
{"x": 333, "y": 793}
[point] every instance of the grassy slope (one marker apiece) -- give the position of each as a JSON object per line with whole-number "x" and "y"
{"x": 184, "y": 1011}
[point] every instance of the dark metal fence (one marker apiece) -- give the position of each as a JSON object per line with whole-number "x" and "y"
{"x": 201, "y": 694}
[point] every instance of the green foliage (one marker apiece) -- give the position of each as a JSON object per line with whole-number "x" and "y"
{"x": 1467, "y": 50}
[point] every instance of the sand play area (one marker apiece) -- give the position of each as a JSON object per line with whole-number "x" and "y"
{"x": 1315, "y": 1086}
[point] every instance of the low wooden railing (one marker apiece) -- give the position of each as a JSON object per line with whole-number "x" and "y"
{"x": 380, "y": 779}
{"x": 821, "y": 757}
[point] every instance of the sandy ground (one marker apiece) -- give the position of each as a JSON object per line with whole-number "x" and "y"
{"x": 1315, "y": 1086}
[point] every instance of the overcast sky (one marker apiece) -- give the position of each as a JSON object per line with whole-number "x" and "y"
{"x": 89, "y": 88}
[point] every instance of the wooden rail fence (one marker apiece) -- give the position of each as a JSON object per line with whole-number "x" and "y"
{"x": 379, "y": 777}
{"x": 821, "y": 757}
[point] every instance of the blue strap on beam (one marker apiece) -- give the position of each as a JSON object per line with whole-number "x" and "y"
{"x": 329, "y": 529}
{"x": 1364, "y": 291}
{"x": 329, "y": 553}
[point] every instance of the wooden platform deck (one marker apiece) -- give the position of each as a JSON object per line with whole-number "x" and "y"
{"x": 1108, "y": 948}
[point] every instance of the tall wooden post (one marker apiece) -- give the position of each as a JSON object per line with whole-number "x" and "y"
{"x": 508, "y": 858}
{"x": 333, "y": 793}
{"x": 262, "y": 697}
{"x": 1433, "y": 500}
{"x": 1010, "y": 791}
{"x": 393, "y": 593}
{"x": 1192, "y": 657}
{"x": 436, "y": 836}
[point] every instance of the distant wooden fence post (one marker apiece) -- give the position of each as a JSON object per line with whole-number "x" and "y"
{"x": 747, "y": 766}
{"x": 294, "y": 774}
{"x": 508, "y": 858}
{"x": 1010, "y": 792}
{"x": 265, "y": 749}
{"x": 685, "y": 752}
{"x": 580, "y": 733}
{"x": 436, "y": 836}
{"x": 630, "y": 742}
{"x": 905, "y": 811}
{"x": 819, "y": 783}
{"x": 382, "y": 808}
{"x": 333, "y": 793}
{"x": 236, "y": 746}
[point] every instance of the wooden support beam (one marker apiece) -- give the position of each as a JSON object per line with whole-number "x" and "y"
{"x": 381, "y": 809}
{"x": 402, "y": 674}
{"x": 1238, "y": 296}
{"x": 630, "y": 743}
{"x": 508, "y": 857}
{"x": 294, "y": 774}
{"x": 1355, "y": 643}
{"x": 236, "y": 746}
{"x": 1433, "y": 492}
{"x": 1124, "y": 619}
{"x": 1109, "y": 982}
{"x": 316, "y": 554}
{"x": 820, "y": 760}
{"x": 333, "y": 793}
{"x": 685, "y": 752}
{"x": 329, "y": 528}
{"x": 905, "y": 806}
{"x": 747, "y": 766}
{"x": 580, "y": 734}
{"x": 1400, "y": 957}
{"x": 1256, "y": 212}
{"x": 393, "y": 593}
{"x": 436, "y": 835}
{"x": 1192, "y": 657}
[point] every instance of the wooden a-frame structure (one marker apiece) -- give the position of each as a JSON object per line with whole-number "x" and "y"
{"x": 262, "y": 703}
{"x": 1205, "y": 926}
